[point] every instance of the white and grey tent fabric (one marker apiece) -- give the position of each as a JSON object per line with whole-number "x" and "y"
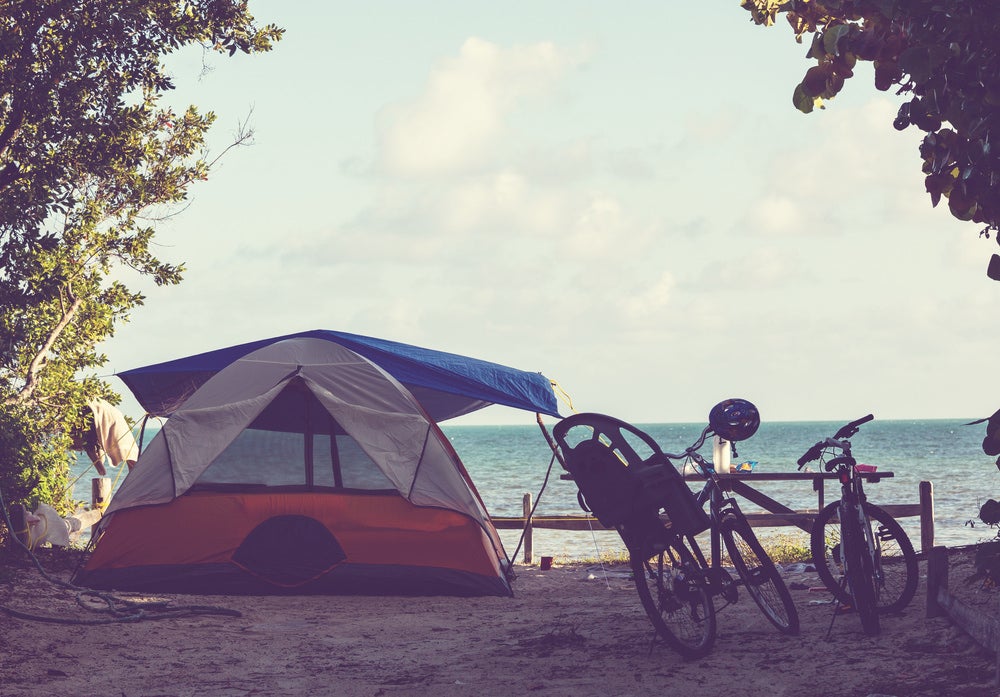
{"x": 301, "y": 466}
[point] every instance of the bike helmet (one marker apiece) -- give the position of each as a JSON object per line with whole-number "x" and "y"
{"x": 734, "y": 419}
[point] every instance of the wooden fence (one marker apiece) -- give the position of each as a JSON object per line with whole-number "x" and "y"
{"x": 983, "y": 627}
{"x": 778, "y": 515}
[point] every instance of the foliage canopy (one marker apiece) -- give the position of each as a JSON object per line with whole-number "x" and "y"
{"x": 942, "y": 55}
{"x": 89, "y": 160}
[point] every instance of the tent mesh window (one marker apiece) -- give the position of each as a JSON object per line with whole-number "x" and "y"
{"x": 295, "y": 442}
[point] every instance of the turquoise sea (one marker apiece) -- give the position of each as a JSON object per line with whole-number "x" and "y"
{"x": 506, "y": 462}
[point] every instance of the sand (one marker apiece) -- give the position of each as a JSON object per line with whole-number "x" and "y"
{"x": 571, "y": 630}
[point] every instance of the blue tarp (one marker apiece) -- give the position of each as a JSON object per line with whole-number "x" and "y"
{"x": 446, "y": 384}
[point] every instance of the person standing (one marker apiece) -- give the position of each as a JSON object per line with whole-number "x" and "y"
{"x": 106, "y": 434}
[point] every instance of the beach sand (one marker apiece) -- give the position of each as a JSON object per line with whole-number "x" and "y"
{"x": 571, "y": 630}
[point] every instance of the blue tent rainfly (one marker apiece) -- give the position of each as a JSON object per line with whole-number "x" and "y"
{"x": 447, "y": 385}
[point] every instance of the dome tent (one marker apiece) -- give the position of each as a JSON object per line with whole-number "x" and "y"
{"x": 301, "y": 466}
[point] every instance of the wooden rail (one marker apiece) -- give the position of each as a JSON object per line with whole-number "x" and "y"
{"x": 778, "y": 514}
{"x": 982, "y": 626}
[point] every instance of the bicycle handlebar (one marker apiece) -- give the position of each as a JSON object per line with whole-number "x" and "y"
{"x": 692, "y": 450}
{"x": 850, "y": 429}
{"x": 812, "y": 454}
{"x": 839, "y": 441}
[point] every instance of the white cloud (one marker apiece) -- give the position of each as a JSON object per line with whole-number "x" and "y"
{"x": 707, "y": 129}
{"x": 457, "y": 121}
{"x": 599, "y": 229}
{"x": 505, "y": 201}
{"x": 824, "y": 168}
{"x": 650, "y": 300}
{"x": 762, "y": 267}
{"x": 777, "y": 214}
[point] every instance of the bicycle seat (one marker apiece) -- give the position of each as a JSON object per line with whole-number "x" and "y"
{"x": 608, "y": 490}
{"x": 623, "y": 476}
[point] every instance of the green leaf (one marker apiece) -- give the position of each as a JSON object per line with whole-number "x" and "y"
{"x": 832, "y": 37}
{"x": 961, "y": 205}
{"x": 920, "y": 62}
{"x": 803, "y": 101}
{"x": 816, "y": 49}
{"x": 816, "y": 80}
{"x": 886, "y": 7}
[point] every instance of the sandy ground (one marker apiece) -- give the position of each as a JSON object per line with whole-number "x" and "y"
{"x": 570, "y": 630}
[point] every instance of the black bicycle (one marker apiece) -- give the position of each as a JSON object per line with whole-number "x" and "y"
{"x": 630, "y": 484}
{"x": 860, "y": 552}
{"x": 757, "y": 572}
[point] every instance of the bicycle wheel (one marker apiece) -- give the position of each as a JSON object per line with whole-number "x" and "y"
{"x": 760, "y": 577}
{"x": 860, "y": 573}
{"x": 672, "y": 588}
{"x": 896, "y": 562}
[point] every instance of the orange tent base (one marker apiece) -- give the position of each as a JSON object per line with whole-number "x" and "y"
{"x": 294, "y": 542}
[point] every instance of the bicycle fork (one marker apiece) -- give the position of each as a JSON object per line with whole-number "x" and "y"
{"x": 723, "y": 583}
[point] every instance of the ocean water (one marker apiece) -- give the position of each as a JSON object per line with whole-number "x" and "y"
{"x": 505, "y": 462}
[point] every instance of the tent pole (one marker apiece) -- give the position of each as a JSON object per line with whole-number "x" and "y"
{"x": 550, "y": 441}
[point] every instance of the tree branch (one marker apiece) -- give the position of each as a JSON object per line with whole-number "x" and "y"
{"x": 38, "y": 362}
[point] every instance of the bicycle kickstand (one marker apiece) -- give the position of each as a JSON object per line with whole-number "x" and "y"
{"x": 836, "y": 607}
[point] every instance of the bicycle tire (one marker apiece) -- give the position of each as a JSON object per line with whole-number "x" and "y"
{"x": 860, "y": 574}
{"x": 898, "y": 574}
{"x": 673, "y": 591}
{"x": 760, "y": 576}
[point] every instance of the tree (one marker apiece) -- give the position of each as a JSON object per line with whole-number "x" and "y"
{"x": 89, "y": 160}
{"x": 942, "y": 55}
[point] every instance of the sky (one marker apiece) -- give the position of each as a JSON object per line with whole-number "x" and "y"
{"x": 622, "y": 198}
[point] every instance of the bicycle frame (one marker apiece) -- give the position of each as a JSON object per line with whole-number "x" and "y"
{"x": 852, "y": 504}
{"x": 719, "y": 504}
{"x": 855, "y": 567}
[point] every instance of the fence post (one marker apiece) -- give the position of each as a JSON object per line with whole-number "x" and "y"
{"x": 926, "y": 516}
{"x": 937, "y": 579}
{"x": 100, "y": 492}
{"x": 820, "y": 488}
{"x": 527, "y": 528}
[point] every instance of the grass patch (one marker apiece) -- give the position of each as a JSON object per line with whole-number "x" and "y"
{"x": 783, "y": 548}
{"x": 609, "y": 557}
{"x": 787, "y": 549}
